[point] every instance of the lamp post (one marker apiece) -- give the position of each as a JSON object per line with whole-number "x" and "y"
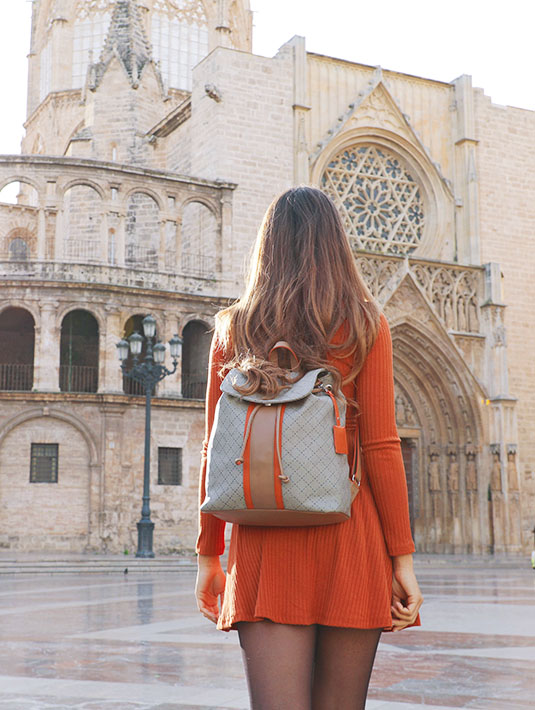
{"x": 148, "y": 373}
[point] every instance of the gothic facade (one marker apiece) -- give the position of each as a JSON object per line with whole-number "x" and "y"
{"x": 154, "y": 141}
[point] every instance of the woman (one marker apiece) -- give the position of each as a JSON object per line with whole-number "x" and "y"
{"x": 310, "y": 603}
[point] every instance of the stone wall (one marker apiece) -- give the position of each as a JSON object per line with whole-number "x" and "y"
{"x": 506, "y": 171}
{"x": 245, "y": 138}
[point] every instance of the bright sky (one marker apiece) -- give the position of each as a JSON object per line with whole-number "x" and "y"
{"x": 493, "y": 40}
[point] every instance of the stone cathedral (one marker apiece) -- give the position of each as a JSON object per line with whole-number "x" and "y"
{"x": 155, "y": 139}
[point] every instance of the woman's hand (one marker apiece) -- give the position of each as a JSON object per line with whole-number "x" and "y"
{"x": 210, "y": 586}
{"x": 406, "y": 595}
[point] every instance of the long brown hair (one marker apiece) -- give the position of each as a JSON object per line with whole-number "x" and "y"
{"x": 303, "y": 287}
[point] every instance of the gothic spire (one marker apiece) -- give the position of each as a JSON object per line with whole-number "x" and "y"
{"x": 127, "y": 40}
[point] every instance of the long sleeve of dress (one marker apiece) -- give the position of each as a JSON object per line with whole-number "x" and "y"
{"x": 381, "y": 444}
{"x": 211, "y": 539}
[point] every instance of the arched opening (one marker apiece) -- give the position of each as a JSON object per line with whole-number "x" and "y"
{"x": 17, "y": 344}
{"x": 18, "y": 249}
{"x": 195, "y": 353}
{"x": 142, "y": 239}
{"x": 135, "y": 325}
{"x": 82, "y": 219}
{"x": 79, "y": 352}
{"x": 437, "y": 420}
{"x": 199, "y": 240}
{"x": 19, "y": 193}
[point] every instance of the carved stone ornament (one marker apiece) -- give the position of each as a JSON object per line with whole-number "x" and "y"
{"x": 471, "y": 467}
{"x": 405, "y": 414}
{"x": 191, "y": 11}
{"x": 379, "y": 200}
{"x": 91, "y": 7}
{"x": 453, "y": 470}
{"x": 496, "y": 473}
{"x": 434, "y": 468}
{"x": 452, "y": 292}
{"x": 512, "y": 471}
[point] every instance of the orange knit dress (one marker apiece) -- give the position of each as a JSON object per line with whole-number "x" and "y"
{"x": 334, "y": 575}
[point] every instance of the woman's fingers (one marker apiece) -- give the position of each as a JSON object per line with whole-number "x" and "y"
{"x": 403, "y": 616}
{"x": 208, "y": 614}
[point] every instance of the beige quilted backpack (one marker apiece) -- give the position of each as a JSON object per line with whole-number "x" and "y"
{"x": 280, "y": 461}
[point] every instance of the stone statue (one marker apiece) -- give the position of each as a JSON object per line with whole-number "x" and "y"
{"x": 512, "y": 472}
{"x": 471, "y": 469}
{"x": 400, "y": 410}
{"x": 453, "y": 471}
{"x": 434, "y": 471}
{"x": 496, "y": 475}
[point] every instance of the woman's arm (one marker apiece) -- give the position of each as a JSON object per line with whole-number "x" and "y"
{"x": 381, "y": 444}
{"x": 210, "y": 584}
{"x": 211, "y": 539}
{"x": 386, "y": 473}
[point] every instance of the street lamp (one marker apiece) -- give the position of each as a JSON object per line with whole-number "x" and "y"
{"x": 148, "y": 373}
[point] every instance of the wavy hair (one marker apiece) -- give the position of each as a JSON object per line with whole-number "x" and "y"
{"x": 303, "y": 287}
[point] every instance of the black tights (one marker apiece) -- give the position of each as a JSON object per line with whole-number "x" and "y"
{"x": 307, "y": 667}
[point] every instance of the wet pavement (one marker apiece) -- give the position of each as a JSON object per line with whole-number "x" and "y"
{"x": 94, "y": 641}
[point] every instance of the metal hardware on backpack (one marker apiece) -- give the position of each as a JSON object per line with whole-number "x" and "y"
{"x": 280, "y": 461}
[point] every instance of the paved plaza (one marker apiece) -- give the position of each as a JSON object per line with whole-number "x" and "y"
{"x": 115, "y": 641}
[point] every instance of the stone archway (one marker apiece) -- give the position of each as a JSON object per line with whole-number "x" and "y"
{"x": 440, "y": 427}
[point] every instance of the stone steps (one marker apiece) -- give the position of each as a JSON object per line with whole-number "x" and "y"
{"x": 97, "y": 564}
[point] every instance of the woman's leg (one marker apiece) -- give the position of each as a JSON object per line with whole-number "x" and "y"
{"x": 344, "y": 662}
{"x": 279, "y": 660}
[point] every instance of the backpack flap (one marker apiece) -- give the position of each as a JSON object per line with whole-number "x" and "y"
{"x": 301, "y": 389}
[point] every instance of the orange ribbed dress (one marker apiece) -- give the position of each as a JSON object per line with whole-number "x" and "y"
{"x": 335, "y": 575}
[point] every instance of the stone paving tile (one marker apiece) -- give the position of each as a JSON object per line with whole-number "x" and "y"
{"x": 136, "y": 642}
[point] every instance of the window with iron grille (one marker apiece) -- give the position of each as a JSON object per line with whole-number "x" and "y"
{"x": 169, "y": 466}
{"x": 44, "y": 463}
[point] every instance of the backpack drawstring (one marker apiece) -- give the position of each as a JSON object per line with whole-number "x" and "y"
{"x": 246, "y": 434}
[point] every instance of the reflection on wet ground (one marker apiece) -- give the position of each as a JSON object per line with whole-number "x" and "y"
{"x": 136, "y": 642}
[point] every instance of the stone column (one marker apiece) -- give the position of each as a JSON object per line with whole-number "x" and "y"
{"x": 161, "y": 250}
{"x": 434, "y": 483}
{"x": 471, "y": 479}
{"x": 453, "y": 496}
{"x": 59, "y": 236}
{"x": 170, "y": 386}
{"x": 120, "y": 243}
{"x": 226, "y": 245}
{"x": 104, "y": 247}
{"x": 41, "y": 234}
{"x": 178, "y": 245}
{"x": 466, "y": 174}
{"x": 514, "y": 528}
{"x": 111, "y": 380}
{"x": 47, "y": 342}
{"x": 497, "y": 499}
{"x": 300, "y": 109}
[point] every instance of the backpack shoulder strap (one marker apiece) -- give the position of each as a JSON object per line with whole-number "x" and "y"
{"x": 356, "y": 468}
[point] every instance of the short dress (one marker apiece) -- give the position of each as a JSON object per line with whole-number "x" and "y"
{"x": 333, "y": 575}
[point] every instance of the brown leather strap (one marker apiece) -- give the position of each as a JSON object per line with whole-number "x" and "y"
{"x": 283, "y": 345}
{"x": 356, "y": 468}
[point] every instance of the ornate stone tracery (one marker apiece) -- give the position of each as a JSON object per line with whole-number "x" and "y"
{"x": 90, "y": 7}
{"x": 380, "y": 201}
{"x": 454, "y": 293}
{"x": 191, "y": 11}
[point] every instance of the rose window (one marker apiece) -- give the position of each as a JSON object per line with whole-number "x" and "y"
{"x": 380, "y": 202}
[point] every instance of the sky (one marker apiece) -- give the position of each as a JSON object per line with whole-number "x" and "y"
{"x": 492, "y": 40}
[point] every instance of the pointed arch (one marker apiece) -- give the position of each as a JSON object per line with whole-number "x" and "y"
{"x": 446, "y": 403}
{"x": 71, "y": 419}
